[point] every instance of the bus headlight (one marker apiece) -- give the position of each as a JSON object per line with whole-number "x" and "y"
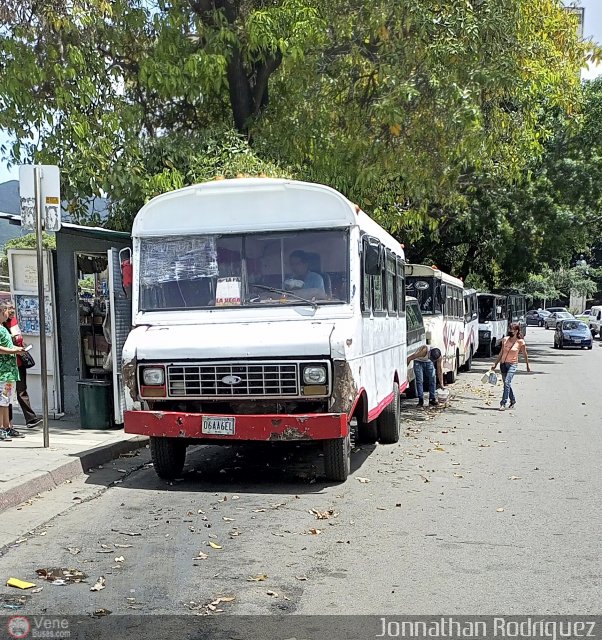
{"x": 314, "y": 375}
{"x": 153, "y": 376}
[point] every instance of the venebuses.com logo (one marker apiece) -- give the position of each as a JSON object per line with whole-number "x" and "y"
{"x": 18, "y": 627}
{"x": 21, "y": 628}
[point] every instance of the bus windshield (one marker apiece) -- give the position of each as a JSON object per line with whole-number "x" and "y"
{"x": 214, "y": 271}
{"x": 427, "y": 290}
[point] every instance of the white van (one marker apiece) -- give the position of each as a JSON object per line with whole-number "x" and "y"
{"x": 493, "y": 322}
{"x": 263, "y": 310}
{"x": 595, "y": 321}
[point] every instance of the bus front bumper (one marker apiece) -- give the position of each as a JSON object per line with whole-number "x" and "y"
{"x": 272, "y": 427}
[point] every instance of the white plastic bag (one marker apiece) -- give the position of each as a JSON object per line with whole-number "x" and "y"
{"x": 490, "y": 378}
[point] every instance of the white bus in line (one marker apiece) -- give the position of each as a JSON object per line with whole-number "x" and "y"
{"x": 264, "y": 310}
{"x": 493, "y": 322}
{"x": 441, "y": 299}
{"x": 471, "y": 327}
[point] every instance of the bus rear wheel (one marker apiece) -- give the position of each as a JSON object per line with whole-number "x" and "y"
{"x": 337, "y": 458}
{"x": 453, "y": 374}
{"x": 468, "y": 364}
{"x": 388, "y": 421}
{"x": 168, "y": 456}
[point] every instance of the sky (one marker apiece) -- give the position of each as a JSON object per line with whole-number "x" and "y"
{"x": 592, "y": 29}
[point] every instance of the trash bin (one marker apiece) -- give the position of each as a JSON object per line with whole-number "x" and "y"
{"x": 95, "y": 404}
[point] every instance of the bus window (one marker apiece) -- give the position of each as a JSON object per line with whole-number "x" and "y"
{"x": 401, "y": 287}
{"x": 378, "y": 297}
{"x": 366, "y": 288}
{"x": 391, "y": 285}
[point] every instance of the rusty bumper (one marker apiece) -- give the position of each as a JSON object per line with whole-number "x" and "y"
{"x": 174, "y": 424}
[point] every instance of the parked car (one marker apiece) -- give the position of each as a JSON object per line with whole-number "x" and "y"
{"x": 572, "y": 333}
{"x": 416, "y": 337}
{"x": 551, "y": 321}
{"x": 536, "y": 317}
{"x": 556, "y": 309}
{"x": 595, "y": 321}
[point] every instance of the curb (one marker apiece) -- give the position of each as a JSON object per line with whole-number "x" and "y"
{"x": 81, "y": 463}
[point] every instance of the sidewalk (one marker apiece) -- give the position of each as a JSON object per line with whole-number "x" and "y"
{"x": 26, "y": 468}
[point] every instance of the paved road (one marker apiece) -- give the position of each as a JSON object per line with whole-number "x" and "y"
{"x": 475, "y": 511}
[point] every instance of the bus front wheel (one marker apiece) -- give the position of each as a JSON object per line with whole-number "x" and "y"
{"x": 168, "y": 456}
{"x": 337, "y": 458}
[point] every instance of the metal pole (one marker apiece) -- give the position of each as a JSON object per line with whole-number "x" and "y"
{"x": 41, "y": 301}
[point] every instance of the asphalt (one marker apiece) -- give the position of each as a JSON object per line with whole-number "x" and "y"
{"x": 473, "y": 512}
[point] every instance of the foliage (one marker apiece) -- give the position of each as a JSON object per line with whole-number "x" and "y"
{"x": 405, "y": 107}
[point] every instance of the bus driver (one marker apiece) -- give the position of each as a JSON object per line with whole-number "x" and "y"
{"x": 304, "y": 282}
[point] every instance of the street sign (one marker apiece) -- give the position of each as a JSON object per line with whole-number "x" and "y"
{"x": 40, "y": 193}
{"x": 50, "y": 196}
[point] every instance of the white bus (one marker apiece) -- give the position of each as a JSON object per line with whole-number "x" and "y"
{"x": 471, "y": 327}
{"x": 493, "y": 322}
{"x": 441, "y": 299}
{"x": 265, "y": 310}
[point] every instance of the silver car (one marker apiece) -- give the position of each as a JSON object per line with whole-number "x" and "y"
{"x": 551, "y": 321}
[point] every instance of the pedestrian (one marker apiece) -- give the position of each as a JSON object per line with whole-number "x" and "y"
{"x": 9, "y": 375}
{"x": 512, "y": 345}
{"x": 31, "y": 419}
{"x": 428, "y": 365}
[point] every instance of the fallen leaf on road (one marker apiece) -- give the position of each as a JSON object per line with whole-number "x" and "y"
{"x": 499, "y": 509}
{"x": 484, "y": 445}
{"x": 100, "y": 613}
{"x": 301, "y": 578}
{"x": 104, "y": 551}
{"x": 315, "y": 532}
{"x": 458, "y": 475}
{"x": 127, "y": 533}
{"x": 123, "y": 546}
{"x": 272, "y": 594}
{"x": 73, "y": 550}
{"x": 439, "y": 449}
{"x": 228, "y": 519}
{"x": 260, "y": 578}
{"x": 363, "y": 480}
{"x": 120, "y": 559}
{"x": 381, "y": 508}
{"x": 214, "y": 545}
{"x": 234, "y": 534}
{"x": 235, "y": 497}
{"x": 100, "y": 584}
{"x": 258, "y": 510}
{"x": 398, "y": 504}
{"x": 201, "y": 556}
{"x": 514, "y": 478}
{"x": 64, "y": 576}
{"x": 37, "y": 590}
{"x": 425, "y": 478}
{"x": 224, "y": 499}
{"x": 455, "y": 464}
{"x": 322, "y": 515}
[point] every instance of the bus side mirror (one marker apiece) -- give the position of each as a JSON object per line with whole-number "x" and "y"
{"x": 373, "y": 253}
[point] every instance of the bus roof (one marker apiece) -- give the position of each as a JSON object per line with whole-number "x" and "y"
{"x": 253, "y": 205}
{"x": 426, "y": 271}
{"x": 485, "y": 294}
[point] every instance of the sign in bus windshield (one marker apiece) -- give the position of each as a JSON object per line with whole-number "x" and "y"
{"x": 427, "y": 290}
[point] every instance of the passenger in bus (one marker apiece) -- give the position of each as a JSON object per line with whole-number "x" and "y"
{"x": 304, "y": 282}
{"x": 428, "y": 364}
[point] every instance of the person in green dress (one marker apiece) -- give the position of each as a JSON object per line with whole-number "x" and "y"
{"x": 9, "y": 375}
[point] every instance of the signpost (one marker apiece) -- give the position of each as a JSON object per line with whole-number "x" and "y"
{"x": 40, "y": 194}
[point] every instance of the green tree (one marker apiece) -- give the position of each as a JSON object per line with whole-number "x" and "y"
{"x": 399, "y": 105}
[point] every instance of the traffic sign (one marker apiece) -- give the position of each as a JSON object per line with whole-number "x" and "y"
{"x": 49, "y": 196}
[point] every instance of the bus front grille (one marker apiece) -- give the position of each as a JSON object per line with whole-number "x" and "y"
{"x": 234, "y": 380}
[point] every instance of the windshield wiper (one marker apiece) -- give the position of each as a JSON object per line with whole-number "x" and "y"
{"x": 286, "y": 293}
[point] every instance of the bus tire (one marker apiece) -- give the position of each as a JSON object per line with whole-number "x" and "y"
{"x": 388, "y": 420}
{"x": 411, "y": 390}
{"x": 168, "y": 456}
{"x": 367, "y": 432}
{"x": 337, "y": 458}
{"x": 468, "y": 363}
{"x": 453, "y": 374}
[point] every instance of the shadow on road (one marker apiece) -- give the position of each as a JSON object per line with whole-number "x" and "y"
{"x": 278, "y": 468}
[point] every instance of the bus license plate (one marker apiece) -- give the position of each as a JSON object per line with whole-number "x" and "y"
{"x": 218, "y": 426}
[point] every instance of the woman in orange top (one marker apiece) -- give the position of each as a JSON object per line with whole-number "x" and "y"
{"x": 512, "y": 345}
